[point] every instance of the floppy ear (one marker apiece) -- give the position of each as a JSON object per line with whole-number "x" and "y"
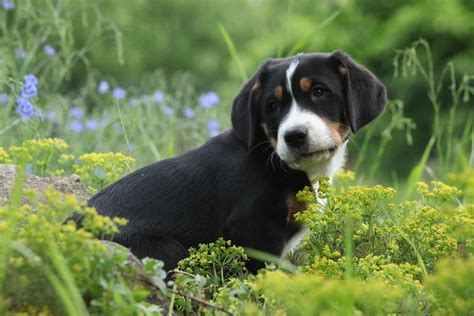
{"x": 244, "y": 109}
{"x": 366, "y": 96}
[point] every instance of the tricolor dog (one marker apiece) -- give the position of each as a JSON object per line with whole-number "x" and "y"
{"x": 290, "y": 123}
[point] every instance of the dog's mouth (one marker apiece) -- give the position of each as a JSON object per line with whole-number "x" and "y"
{"x": 318, "y": 153}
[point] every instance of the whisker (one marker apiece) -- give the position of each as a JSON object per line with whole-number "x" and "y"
{"x": 261, "y": 143}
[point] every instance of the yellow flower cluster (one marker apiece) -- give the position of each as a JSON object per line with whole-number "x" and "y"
{"x": 437, "y": 190}
{"x": 4, "y": 156}
{"x": 100, "y": 169}
{"x": 465, "y": 181}
{"x": 41, "y": 153}
{"x": 219, "y": 261}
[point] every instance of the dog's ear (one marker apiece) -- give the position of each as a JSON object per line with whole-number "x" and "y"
{"x": 366, "y": 96}
{"x": 245, "y": 110}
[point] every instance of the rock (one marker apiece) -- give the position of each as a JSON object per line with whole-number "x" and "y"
{"x": 67, "y": 185}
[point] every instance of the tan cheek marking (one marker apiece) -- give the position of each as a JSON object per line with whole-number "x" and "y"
{"x": 273, "y": 141}
{"x": 339, "y": 132}
{"x": 279, "y": 93}
{"x": 294, "y": 206}
{"x": 305, "y": 84}
{"x": 342, "y": 70}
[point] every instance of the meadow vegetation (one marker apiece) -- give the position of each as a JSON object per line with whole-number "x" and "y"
{"x": 393, "y": 236}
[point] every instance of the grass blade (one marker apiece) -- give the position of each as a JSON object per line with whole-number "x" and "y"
{"x": 417, "y": 171}
{"x": 233, "y": 52}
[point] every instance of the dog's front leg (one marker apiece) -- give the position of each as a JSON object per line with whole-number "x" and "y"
{"x": 265, "y": 236}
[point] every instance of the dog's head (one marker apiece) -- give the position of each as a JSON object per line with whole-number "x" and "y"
{"x": 306, "y": 106}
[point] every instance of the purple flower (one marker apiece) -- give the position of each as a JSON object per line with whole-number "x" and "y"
{"x": 29, "y": 168}
{"x": 189, "y": 113}
{"x": 158, "y": 96}
{"x": 213, "y": 126}
{"x": 31, "y": 79}
{"x": 119, "y": 93}
{"x": 168, "y": 111}
{"x": 21, "y": 54}
{"x": 7, "y": 5}
{"x": 104, "y": 122}
{"x": 25, "y": 108}
{"x": 92, "y": 125}
{"x": 133, "y": 102}
{"x": 28, "y": 90}
{"x": 51, "y": 116}
{"x": 118, "y": 128}
{"x": 209, "y": 99}
{"x": 100, "y": 173}
{"x": 49, "y": 50}
{"x": 76, "y": 126}
{"x": 77, "y": 112}
{"x": 3, "y": 98}
{"x": 103, "y": 87}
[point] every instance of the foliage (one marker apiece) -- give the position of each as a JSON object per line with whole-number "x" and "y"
{"x": 46, "y": 260}
{"x": 218, "y": 261}
{"x": 66, "y": 100}
{"x": 49, "y": 157}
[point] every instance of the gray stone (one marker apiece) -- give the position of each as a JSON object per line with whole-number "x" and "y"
{"x": 67, "y": 185}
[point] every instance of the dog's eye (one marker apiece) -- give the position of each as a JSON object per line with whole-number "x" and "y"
{"x": 318, "y": 91}
{"x": 272, "y": 106}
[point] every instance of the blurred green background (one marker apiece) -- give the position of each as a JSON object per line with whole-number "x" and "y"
{"x": 181, "y": 35}
{"x": 187, "y": 48}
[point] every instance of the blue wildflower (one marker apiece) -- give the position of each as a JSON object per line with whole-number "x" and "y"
{"x": 49, "y": 50}
{"x": 29, "y": 168}
{"x": 103, "y": 87}
{"x": 7, "y": 5}
{"x": 189, "y": 113}
{"x": 92, "y": 125}
{"x": 209, "y": 99}
{"x": 51, "y": 116}
{"x": 77, "y": 112}
{"x": 168, "y": 111}
{"x": 28, "y": 90}
{"x": 118, "y": 128}
{"x": 159, "y": 96}
{"x": 3, "y": 98}
{"x": 76, "y": 126}
{"x": 25, "y": 108}
{"x": 133, "y": 102}
{"x": 119, "y": 93}
{"x": 104, "y": 122}
{"x": 31, "y": 79}
{"x": 100, "y": 173}
{"x": 21, "y": 54}
{"x": 213, "y": 126}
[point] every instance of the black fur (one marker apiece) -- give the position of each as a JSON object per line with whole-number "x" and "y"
{"x": 366, "y": 95}
{"x": 227, "y": 188}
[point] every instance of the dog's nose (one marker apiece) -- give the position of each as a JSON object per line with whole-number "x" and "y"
{"x": 296, "y": 137}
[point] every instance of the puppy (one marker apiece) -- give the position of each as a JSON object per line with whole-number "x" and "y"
{"x": 290, "y": 123}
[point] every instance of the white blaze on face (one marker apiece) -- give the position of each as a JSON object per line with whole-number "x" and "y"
{"x": 318, "y": 133}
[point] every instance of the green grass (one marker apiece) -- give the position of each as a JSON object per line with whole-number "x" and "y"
{"x": 39, "y": 270}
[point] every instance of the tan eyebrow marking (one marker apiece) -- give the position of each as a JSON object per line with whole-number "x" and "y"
{"x": 305, "y": 84}
{"x": 279, "y": 93}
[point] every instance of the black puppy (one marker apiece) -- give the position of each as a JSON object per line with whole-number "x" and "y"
{"x": 290, "y": 123}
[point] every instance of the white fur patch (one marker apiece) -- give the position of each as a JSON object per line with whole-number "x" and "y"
{"x": 294, "y": 241}
{"x": 289, "y": 74}
{"x": 318, "y": 138}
